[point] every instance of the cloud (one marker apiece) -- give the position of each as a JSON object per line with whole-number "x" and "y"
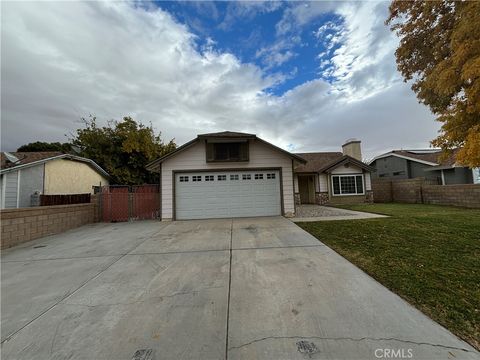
{"x": 246, "y": 10}
{"x": 62, "y": 61}
{"x": 301, "y": 13}
{"x": 279, "y": 52}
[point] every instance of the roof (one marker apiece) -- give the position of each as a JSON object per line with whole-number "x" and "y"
{"x": 223, "y": 134}
{"x": 27, "y": 159}
{"x": 346, "y": 159}
{"x": 228, "y": 134}
{"x": 430, "y": 157}
{"x": 319, "y": 162}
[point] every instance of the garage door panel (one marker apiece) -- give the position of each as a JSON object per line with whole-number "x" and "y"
{"x": 229, "y": 194}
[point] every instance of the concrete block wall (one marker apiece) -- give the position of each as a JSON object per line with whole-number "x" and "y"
{"x": 407, "y": 191}
{"x": 466, "y": 195}
{"x": 422, "y": 191}
{"x": 25, "y": 224}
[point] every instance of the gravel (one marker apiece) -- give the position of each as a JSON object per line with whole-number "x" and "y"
{"x": 319, "y": 211}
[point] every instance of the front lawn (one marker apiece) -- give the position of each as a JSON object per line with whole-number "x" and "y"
{"x": 427, "y": 254}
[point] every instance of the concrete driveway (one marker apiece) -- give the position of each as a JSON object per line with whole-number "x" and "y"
{"x": 214, "y": 289}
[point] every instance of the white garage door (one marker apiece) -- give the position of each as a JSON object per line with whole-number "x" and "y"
{"x": 226, "y": 194}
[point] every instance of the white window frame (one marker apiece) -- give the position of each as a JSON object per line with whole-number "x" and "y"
{"x": 340, "y": 183}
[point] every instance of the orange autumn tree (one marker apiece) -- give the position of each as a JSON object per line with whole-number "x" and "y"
{"x": 439, "y": 52}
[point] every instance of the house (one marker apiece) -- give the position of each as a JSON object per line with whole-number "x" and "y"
{"x": 232, "y": 174}
{"x": 426, "y": 163}
{"x": 23, "y": 174}
{"x": 333, "y": 177}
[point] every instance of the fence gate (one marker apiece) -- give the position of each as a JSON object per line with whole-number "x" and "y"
{"x": 129, "y": 203}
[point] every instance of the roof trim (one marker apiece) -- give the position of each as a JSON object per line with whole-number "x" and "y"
{"x": 343, "y": 160}
{"x": 62, "y": 156}
{"x": 402, "y": 157}
{"x": 152, "y": 165}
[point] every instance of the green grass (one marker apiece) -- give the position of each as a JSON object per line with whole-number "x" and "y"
{"x": 427, "y": 254}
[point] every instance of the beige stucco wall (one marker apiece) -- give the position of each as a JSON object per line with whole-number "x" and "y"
{"x": 70, "y": 177}
{"x": 193, "y": 158}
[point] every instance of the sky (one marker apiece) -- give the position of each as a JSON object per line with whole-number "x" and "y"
{"x": 305, "y": 76}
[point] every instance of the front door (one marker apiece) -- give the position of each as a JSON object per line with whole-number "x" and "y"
{"x": 306, "y": 186}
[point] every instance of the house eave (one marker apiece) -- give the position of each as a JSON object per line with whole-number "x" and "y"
{"x": 92, "y": 163}
{"x": 153, "y": 166}
{"x": 402, "y": 157}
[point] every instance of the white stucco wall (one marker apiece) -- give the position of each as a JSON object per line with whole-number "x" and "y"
{"x": 193, "y": 158}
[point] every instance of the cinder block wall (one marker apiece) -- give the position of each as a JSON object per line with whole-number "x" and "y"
{"x": 407, "y": 191}
{"x": 420, "y": 191}
{"x": 382, "y": 190}
{"x": 25, "y": 224}
{"x": 467, "y": 195}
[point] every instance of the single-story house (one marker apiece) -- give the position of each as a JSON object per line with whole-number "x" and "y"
{"x": 333, "y": 177}
{"x": 233, "y": 174}
{"x": 23, "y": 174}
{"x": 426, "y": 163}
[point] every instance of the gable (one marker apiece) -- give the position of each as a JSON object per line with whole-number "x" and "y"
{"x": 195, "y": 156}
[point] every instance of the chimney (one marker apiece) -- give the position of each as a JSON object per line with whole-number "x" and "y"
{"x": 352, "y": 148}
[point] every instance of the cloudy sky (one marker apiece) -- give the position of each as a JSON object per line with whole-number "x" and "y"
{"x": 303, "y": 75}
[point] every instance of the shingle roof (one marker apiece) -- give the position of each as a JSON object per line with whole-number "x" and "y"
{"x": 27, "y": 157}
{"x": 433, "y": 156}
{"x": 317, "y": 160}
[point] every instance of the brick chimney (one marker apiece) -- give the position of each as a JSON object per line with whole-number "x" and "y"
{"x": 353, "y": 148}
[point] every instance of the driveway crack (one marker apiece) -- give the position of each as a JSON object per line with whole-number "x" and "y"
{"x": 419, "y": 343}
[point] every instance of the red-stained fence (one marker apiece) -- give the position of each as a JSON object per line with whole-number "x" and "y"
{"x": 125, "y": 203}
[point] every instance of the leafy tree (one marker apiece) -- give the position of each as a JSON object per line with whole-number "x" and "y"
{"x": 38, "y": 146}
{"x": 440, "y": 52}
{"x": 123, "y": 148}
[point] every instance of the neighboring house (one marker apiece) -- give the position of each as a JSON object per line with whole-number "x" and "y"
{"x": 231, "y": 174}
{"x": 23, "y": 174}
{"x": 333, "y": 177}
{"x": 427, "y": 163}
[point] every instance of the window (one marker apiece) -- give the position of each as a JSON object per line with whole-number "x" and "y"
{"x": 196, "y": 178}
{"x": 222, "y": 177}
{"x": 209, "y": 177}
{"x": 398, "y": 173}
{"x": 234, "y": 177}
{"x": 347, "y": 184}
{"x": 258, "y": 176}
{"x": 246, "y": 177}
{"x": 271, "y": 176}
{"x": 228, "y": 151}
{"x": 383, "y": 175}
{"x": 183, "y": 178}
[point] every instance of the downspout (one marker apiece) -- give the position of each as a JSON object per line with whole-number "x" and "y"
{"x": 160, "y": 191}
{"x": 293, "y": 190}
